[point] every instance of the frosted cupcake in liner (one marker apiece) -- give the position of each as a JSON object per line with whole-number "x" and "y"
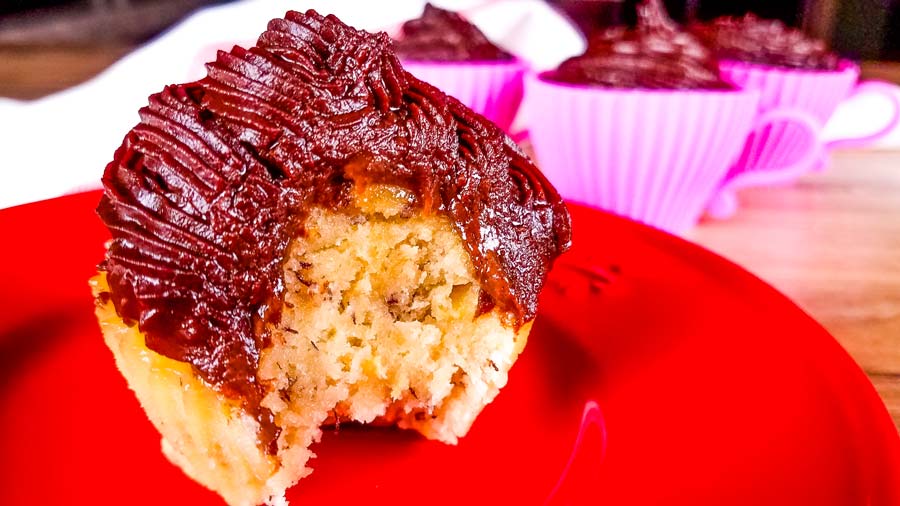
{"x": 792, "y": 72}
{"x": 447, "y": 51}
{"x": 641, "y": 124}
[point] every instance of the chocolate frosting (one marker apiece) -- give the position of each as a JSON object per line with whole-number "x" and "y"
{"x": 655, "y": 54}
{"x": 444, "y": 36}
{"x": 766, "y": 42}
{"x": 205, "y": 193}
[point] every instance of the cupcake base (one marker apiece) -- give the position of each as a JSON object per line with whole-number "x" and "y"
{"x": 380, "y": 324}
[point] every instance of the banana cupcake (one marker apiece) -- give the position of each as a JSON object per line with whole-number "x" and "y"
{"x": 311, "y": 235}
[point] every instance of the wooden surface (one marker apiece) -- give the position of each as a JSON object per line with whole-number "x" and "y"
{"x": 32, "y": 72}
{"x": 110, "y": 21}
{"x": 830, "y": 242}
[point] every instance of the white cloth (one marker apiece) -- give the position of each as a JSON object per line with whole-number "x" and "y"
{"x": 61, "y": 144}
{"x": 864, "y": 115}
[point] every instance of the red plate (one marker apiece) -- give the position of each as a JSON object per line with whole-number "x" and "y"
{"x": 657, "y": 373}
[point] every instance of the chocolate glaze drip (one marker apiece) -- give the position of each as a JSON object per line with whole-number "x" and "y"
{"x": 766, "y": 42}
{"x": 207, "y": 190}
{"x": 655, "y": 54}
{"x": 444, "y": 36}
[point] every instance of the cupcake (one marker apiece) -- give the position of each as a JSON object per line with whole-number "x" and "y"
{"x": 310, "y": 235}
{"x": 641, "y": 124}
{"x": 789, "y": 68}
{"x": 792, "y": 72}
{"x": 765, "y": 42}
{"x": 443, "y": 49}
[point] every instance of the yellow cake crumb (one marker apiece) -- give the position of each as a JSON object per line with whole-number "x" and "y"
{"x": 379, "y": 324}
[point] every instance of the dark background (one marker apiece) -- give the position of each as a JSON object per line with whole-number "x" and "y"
{"x": 859, "y": 29}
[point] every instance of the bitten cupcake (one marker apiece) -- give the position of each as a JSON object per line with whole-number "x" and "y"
{"x": 444, "y": 49}
{"x": 641, "y": 123}
{"x": 309, "y": 235}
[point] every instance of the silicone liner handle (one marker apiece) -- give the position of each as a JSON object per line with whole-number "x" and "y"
{"x": 724, "y": 204}
{"x": 888, "y": 90}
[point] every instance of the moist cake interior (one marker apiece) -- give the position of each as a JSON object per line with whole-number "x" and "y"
{"x": 380, "y": 322}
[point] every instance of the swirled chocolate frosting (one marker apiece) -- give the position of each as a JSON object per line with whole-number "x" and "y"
{"x": 444, "y": 36}
{"x": 766, "y": 42}
{"x": 655, "y": 54}
{"x": 205, "y": 193}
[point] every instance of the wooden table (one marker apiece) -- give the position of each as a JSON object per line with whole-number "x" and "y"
{"x": 830, "y": 242}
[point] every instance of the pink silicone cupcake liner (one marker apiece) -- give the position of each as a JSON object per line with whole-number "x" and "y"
{"x": 815, "y": 92}
{"x": 782, "y": 145}
{"x": 654, "y": 156}
{"x": 493, "y": 89}
{"x": 800, "y": 103}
